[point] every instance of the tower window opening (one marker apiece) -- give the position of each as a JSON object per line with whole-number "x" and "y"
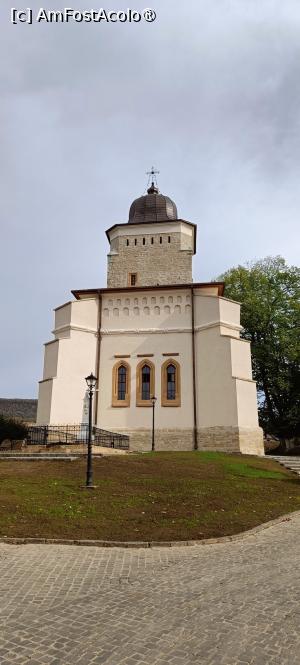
{"x": 160, "y": 239}
{"x": 127, "y": 242}
{"x": 144, "y": 241}
{"x": 169, "y": 239}
{"x": 152, "y": 241}
{"x": 135, "y": 241}
{"x": 132, "y": 278}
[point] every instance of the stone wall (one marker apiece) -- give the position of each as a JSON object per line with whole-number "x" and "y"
{"x": 224, "y": 439}
{"x": 155, "y": 263}
{"x": 251, "y": 441}
{"x": 231, "y": 439}
{"x": 165, "y": 439}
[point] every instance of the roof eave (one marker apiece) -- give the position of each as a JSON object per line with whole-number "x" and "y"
{"x": 196, "y": 285}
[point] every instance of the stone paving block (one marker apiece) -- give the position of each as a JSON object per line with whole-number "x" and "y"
{"x": 229, "y": 604}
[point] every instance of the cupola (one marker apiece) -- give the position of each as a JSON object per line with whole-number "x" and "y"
{"x": 152, "y": 207}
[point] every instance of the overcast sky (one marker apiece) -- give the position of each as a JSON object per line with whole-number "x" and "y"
{"x": 209, "y": 93}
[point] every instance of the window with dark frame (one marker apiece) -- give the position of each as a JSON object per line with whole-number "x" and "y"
{"x": 160, "y": 240}
{"x": 127, "y": 242}
{"x": 135, "y": 241}
{"x": 122, "y": 375}
{"x": 146, "y": 372}
{"x": 132, "y": 278}
{"x": 152, "y": 241}
{"x": 171, "y": 382}
{"x": 144, "y": 241}
{"x": 169, "y": 239}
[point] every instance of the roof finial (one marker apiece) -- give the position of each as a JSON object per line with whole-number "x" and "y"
{"x": 153, "y": 189}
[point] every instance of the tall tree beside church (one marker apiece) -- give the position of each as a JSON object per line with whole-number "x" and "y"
{"x": 269, "y": 292}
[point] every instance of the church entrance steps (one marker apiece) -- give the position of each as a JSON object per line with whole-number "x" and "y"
{"x": 291, "y": 463}
{"x": 63, "y": 453}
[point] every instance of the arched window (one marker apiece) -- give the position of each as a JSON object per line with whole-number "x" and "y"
{"x": 145, "y": 383}
{"x": 170, "y": 383}
{"x": 121, "y": 384}
{"x": 146, "y": 372}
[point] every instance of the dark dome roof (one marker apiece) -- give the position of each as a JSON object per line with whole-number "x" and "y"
{"x": 153, "y": 207}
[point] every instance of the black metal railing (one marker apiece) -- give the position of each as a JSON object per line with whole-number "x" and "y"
{"x": 48, "y": 435}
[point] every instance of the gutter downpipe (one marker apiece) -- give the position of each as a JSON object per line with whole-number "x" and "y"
{"x": 194, "y": 372}
{"x": 98, "y": 348}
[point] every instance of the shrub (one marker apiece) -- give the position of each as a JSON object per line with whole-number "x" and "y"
{"x": 10, "y": 428}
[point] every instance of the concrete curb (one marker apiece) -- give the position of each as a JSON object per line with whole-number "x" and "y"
{"x": 145, "y": 544}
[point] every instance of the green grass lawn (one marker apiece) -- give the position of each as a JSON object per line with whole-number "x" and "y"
{"x": 156, "y": 496}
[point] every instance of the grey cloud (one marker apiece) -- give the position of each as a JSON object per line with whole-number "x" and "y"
{"x": 209, "y": 93}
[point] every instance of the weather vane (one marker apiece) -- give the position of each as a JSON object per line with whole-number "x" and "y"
{"x": 152, "y": 179}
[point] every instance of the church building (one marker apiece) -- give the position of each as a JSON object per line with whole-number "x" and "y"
{"x": 153, "y": 332}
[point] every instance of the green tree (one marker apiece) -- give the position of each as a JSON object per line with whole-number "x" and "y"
{"x": 269, "y": 291}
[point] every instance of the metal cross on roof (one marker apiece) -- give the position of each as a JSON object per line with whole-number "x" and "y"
{"x": 152, "y": 176}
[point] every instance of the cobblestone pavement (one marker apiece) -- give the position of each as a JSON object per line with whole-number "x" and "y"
{"x": 221, "y": 604}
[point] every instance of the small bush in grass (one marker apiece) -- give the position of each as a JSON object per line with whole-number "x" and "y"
{"x": 12, "y": 429}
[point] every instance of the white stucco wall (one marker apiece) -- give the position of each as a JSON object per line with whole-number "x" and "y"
{"x": 216, "y": 394}
{"x": 154, "y": 322}
{"x": 146, "y": 310}
{"x": 246, "y": 403}
{"x": 133, "y": 417}
{"x": 44, "y": 402}
{"x": 51, "y": 359}
{"x": 229, "y": 311}
{"x": 226, "y": 394}
{"x": 241, "y": 359}
{"x": 68, "y": 360}
{"x": 77, "y": 359}
{"x": 80, "y": 314}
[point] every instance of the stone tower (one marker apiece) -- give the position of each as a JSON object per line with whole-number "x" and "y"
{"x": 154, "y": 247}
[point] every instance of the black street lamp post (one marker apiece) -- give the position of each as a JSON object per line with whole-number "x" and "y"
{"x": 153, "y": 400}
{"x": 91, "y": 381}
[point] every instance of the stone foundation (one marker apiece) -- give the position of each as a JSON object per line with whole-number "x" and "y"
{"x": 248, "y": 441}
{"x": 165, "y": 439}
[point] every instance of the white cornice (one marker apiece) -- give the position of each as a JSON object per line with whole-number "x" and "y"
{"x": 148, "y": 331}
{"x": 67, "y": 327}
{"x": 163, "y": 331}
{"x": 144, "y": 331}
{"x": 223, "y": 324}
{"x": 242, "y": 378}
